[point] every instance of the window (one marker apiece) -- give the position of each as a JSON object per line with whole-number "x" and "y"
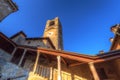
{"x": 51, "y": 23}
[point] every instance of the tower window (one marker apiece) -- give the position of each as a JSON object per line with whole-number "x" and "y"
{"x": 51, "y": 23}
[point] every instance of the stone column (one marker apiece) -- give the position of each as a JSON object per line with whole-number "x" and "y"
{"x": 36, "y": 62}
{"x": 19, "y": 64}
{"x": 93, "y": 70}
{"x": 59, "y": 67}
{"x": 51, "y": 73}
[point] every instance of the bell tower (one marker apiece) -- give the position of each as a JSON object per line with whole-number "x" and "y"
{"x": 53, "y": 30}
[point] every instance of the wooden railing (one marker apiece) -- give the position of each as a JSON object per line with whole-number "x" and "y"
{"x": 41, "y": 73}
{"x": 33, "y": 76}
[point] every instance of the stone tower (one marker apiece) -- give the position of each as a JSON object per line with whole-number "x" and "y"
{"x": 53, "y": 30}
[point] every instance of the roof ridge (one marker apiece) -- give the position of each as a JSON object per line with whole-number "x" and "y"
{"x": 20, "y": 32}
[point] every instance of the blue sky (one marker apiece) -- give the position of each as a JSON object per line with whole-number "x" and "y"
{"x": 86, "y": 23}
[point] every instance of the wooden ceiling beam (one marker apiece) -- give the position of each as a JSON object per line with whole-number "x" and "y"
{"x": 64, "y": 61}
{"x": 47, "y": 57}
{"x": 62, "y": 54}
{"x": 72, "y": 57}
{"x": 79, "y": 58}
{"x": 76, "y": 64}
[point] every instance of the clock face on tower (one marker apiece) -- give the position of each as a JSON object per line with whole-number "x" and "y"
{"x": 50, "y": 34}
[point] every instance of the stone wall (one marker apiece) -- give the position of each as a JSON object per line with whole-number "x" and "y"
{"x": 35, "y": 43}
{"x": 5, "y": 9}
{"x": 9, "y": 70}
{"x": 20, "y": 39}
{"x": 53, "y": 30}
{"x": 4, "y": 55}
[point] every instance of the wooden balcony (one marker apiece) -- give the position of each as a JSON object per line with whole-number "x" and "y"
{"x": 33, "y": 76}
{"x": 41, "y": 73}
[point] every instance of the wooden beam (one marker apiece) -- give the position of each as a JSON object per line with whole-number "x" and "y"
{"x": 63, "y": 54}
{"x": 8, "y": 39}
{"x": 68, "y": 56}
{"x": 106, "y": 59}
{"x": 36, "y": 62}
{"x": 63, "y": 60}
{"x": 19, "y": 64}
{"x": 94, "y": 71}
{"x": 76, "y": 64}
{"x": 14, "y": 51}
{"x": 79, "y": 58}
{"x": 46, "y": 56}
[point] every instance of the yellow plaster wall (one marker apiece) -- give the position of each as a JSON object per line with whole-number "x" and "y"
{"x": 81, "y": 72}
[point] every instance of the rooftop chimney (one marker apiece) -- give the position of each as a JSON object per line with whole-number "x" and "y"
{"x": 101, "y": 52}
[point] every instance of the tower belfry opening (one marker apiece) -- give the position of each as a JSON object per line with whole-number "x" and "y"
{"x": 52, "y": 23}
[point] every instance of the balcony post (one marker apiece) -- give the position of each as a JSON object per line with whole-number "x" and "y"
{"x": 59, "y": 67}
{"x": 36, "y": 62}
{"x": 93, "y": 70}
{"x": 14, "y": 51}
{"x": 19, "y": 64}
